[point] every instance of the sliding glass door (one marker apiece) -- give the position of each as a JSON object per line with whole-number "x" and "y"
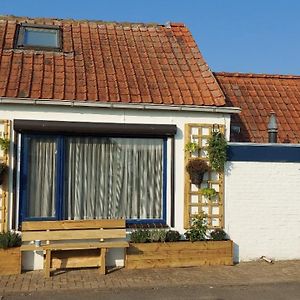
{"x": 78, "y": 178}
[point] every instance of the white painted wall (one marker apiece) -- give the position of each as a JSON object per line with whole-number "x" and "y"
{"x": 262, "y": 209}
{"x": 90, "y": 114}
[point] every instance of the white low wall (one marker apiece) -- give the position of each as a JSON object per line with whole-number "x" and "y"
{"x": 262, "y": 209}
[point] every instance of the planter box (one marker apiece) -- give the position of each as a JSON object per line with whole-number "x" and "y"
{"x": 10, "y": 261}
{"x": 179, "y": 254}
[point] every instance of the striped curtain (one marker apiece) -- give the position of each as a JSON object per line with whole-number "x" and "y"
{"x": 113, "y": 178}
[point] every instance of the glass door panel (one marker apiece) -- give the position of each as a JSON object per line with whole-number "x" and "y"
{"x": 41, "y": 176}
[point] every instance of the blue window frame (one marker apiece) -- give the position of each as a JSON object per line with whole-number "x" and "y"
{"x": 51, "y": 183}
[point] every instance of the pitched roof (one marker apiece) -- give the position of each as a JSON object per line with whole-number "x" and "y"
{"x": 257, "y": 95}
{"x": 109, "y": 62}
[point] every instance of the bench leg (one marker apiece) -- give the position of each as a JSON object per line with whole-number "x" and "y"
{"x": 102, "y": 261}
{"x": 48, "y": 263}
{"x": 125, "y": 257}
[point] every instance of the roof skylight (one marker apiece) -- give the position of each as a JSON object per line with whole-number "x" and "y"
{"x": 38, "y": 37}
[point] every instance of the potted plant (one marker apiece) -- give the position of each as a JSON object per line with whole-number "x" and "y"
{"x": 191, "y": 147}
{"x": 10, "y": 256}
{"x": 197, "y": 167}
{"x": 209, "y": 193}
{"x": 197, "y": 231}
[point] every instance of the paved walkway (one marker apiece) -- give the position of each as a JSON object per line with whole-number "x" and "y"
{"x": 241, "y": 274}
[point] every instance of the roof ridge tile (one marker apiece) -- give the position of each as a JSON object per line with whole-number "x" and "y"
{"x": 257, "y": 75}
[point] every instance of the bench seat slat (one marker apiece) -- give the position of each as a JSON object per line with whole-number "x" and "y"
{"x": 30, "y": 247}
{"x": 57, "y": 235}
{"x": 76, "y": 246}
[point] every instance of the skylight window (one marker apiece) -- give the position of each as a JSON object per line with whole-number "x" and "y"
{"x": 39, "y": 37}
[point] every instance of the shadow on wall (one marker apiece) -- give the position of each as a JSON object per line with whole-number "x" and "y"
{"x": 236, "y": 253}
{"x": 179, "y": 134}
{"x": 228, "y": 168}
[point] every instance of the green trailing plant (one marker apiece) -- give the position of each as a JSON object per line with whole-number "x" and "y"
{"x": 172, "y": 236}
{"x": 218, "y": 234}
{"x": 4, "y": 144}
{"x": 140, "y": 236}
{"x": 198, "y": 229}
{"x": 217, "y": 151}
{"x": 10, "y": 239}
{"x": 191, "y": 147}
{"x": 209, "y": 193}
{"x": 196, "y": 167}
{"x": 157, "y": 235}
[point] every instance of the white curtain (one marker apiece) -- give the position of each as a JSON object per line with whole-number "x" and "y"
{"x": 113, "y": 178}
{"x": 41, "y": 177}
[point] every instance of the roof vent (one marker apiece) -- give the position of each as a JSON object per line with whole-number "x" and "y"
{"x": 168, "y": 24}
{"x": 272, "y": 128}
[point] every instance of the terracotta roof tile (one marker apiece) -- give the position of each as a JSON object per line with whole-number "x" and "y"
{"x": 140, "y": 63}
{"x": 257, "y": 95}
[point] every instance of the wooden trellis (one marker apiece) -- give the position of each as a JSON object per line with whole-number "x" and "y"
{"x": 4, "y": 157}
{"x": 195, "y": 202}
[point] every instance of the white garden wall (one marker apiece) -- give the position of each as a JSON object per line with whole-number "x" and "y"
{"x": 262, "y": 209}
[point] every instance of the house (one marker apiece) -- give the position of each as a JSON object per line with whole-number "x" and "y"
{"x": 99, "y": 114}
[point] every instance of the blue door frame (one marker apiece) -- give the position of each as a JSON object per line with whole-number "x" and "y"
{"x": 59, "y": 193}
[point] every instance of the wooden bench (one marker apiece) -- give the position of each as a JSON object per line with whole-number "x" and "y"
{"x": 74, "y": 235}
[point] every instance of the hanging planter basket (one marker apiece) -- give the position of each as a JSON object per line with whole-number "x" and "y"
{"x": 196, "y": 178}
{"x": 197, "y": 167}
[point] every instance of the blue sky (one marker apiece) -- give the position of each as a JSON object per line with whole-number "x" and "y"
{"x": 261, "y": 36}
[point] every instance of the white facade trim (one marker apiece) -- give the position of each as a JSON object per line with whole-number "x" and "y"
{"x": 72, "y": 103}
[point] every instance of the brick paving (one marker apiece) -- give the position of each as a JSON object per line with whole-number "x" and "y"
{"x": 241, "y": 274}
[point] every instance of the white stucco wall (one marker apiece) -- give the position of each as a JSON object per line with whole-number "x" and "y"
{"x": 262, "y": 209}
{"x": 91, "y": 114}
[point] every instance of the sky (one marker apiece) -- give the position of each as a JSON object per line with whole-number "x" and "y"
{"x": 254, "y": 36}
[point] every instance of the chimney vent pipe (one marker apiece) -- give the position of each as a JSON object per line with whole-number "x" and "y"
{"x": 272, "y": 128}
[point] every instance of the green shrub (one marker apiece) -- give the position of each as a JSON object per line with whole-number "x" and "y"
{"x": 197, "y": 231}
{"x": 140, "y": 236}
{"x": 218, "y": 234}
{"x": 157, "y": 235}
{"x": 172, "y": 236}
{"x": 10, "y": 239}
